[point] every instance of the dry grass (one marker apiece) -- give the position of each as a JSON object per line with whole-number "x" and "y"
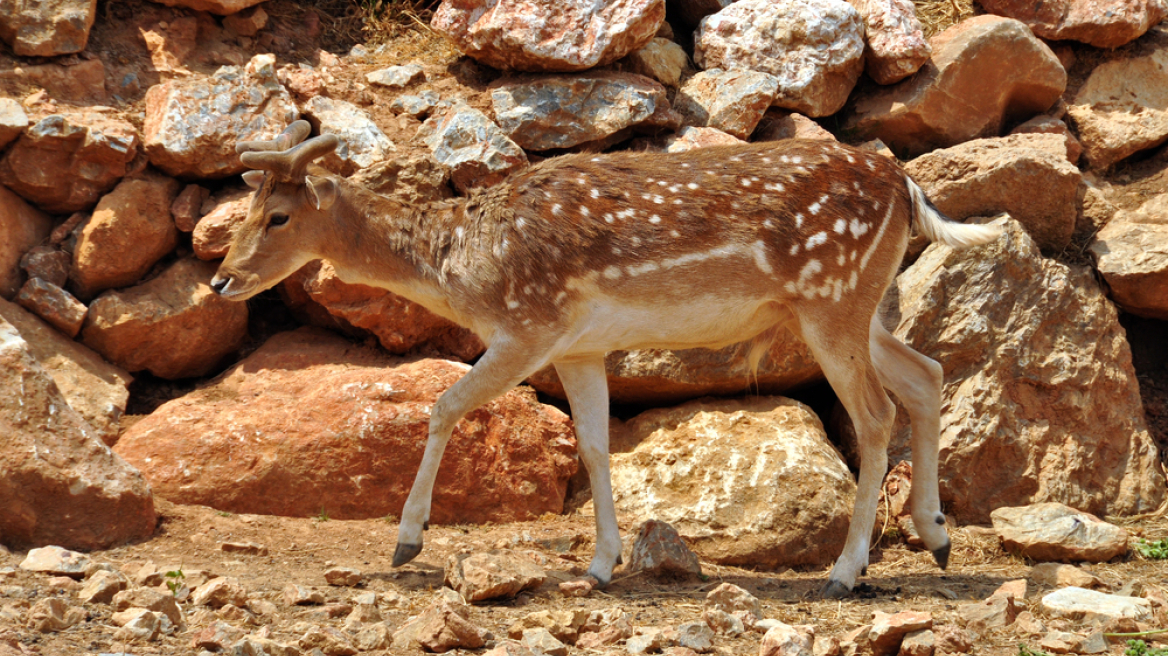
{"x": 388, "y": 19}
{"x": 936, "y": 15}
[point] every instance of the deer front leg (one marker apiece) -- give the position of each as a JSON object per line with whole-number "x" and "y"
{"x": 502, "y": 367}
{"x": 586, "y": 386}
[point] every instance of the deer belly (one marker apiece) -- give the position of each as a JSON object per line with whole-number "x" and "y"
{"x": 702, "y": 322}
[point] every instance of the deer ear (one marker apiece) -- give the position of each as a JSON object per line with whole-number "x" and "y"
{"x": 323, "y": 191}
{"x": 253, "y": 178}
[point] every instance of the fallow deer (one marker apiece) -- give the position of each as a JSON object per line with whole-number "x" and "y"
{"x": 585, "y": 254}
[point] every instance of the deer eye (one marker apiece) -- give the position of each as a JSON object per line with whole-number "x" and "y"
{"x": 277, "y": 219}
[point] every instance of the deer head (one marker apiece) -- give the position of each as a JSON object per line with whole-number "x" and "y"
{"x": 289, "y": 220}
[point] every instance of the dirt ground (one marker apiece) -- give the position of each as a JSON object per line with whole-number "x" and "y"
{"x": 300, "y": 550}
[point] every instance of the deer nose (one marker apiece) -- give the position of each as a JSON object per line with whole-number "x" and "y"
{"x": 220, "y": 284}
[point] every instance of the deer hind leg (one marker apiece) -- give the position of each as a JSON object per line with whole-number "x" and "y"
{"x": 586, "y": 386}
{"x": 841, "y": 349}
{"x": 503, "y": 366}
{"x": 916, "y": 380}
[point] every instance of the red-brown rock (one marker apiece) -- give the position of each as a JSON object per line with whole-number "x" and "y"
{"x": 96, "y": 389}
{"x": 53, "y": 304}
{"x": 1101, "y": 23}
{"x": 174, "y": 326}
{"x": 66, "y": 161}
{"x": 949, "y": 100}
{"x": 549, "y": 35}
{"x": 22, "y": 226}
{"x": 59, "y": 484}
{"x": 130, "y": 230}
{"x": 222, "y": 216}
{"x": 401, "y": 326}
{"x": 310, "y": 422}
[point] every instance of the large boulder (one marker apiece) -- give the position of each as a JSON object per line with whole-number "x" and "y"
{"x": 815, "y": 48}
{"x": 662, "y": 376}
{"x": 1130, "y": 254}
{"x": 96, "y": 389}
{"x": 1027, "y": 176}
{"x": 22, "y": 227}
{"x": 46, "y": 28}
{"x": 362, "y": 143}
{"x": 1101, "y": 23}
{"x": 1040, "y": 400}
{"x": 731, "y": 101}
{"x": 949, "y": 100}
{"x": 549, "y": 35}
{"x": 130, "y": 230}
{"x": 896, "y": 46}
{"x": 59, "y": 483}
{"x": 746, "y": 481}
{"x": 562, "y": 111}
{"x": 1122, "y": 108}
{"x": 311, "y": 422}
{"x": 174, "y": 326}
{"x": 64, "y": 162}
{"x": 475, "y": 151}
{"x": 192, "y": 123}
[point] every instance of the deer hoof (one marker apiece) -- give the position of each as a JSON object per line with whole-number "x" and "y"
{"x": 405, "y": 553}
{"x": 941, "y": 554}
{"x": 834, "y": 590}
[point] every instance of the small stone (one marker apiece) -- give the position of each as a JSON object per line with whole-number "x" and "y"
{"x": 731, "y": 101}
{"x": 786, "y": 640}
{"x": 563, "y": 624}
{"x": 48, "y": 263}
{"x": 328, "y": 640}
{"x": 220, "y": 591}
{"x": 1053, "y": 531}
{"x": 991, "y": 613}
{"x": 416, "y": 106}
{"x": 53, "y": 304}
{"x": 343, "y": 576}
{"x": 138, "y": 624}
{"x": 187, "y": 207}
{"x": 723, "y": 623}
{"x": 660, "y": 551}
{"x": 440, "y": 627}
{"x": 661, "y": 59}
{"x": 102, "y": 586}
{"x": 697, "y": 636}
{"x": 361, "y": 616}
{"x": 1027, "y": 623}
{"x": 56, "y": 560}
{"x": 1015, "y": 589}
{"x": 735, "y": 600}
{"x": 217, "y": 637}
{"x": 150, "y": 600}
{"x": 578, "y": 587}
{"x": 1061, "y": 575}
{"x": 889, "y": 630}
{"x": 52, "y": 615}
{"x": 397, "y": 77}
{"x": 542, "y": 641}
{"x": 918, "y": 643}
{"x": 952, "y": 639}
{"x": 249, "y": 548}
{"x": 1091, "y": 606}
{"x": 499, "y": 573}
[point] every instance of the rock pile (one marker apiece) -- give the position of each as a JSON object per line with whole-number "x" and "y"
{"x": 112, "y": 215}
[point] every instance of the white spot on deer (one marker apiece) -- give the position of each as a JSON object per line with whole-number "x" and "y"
{"x": 612, "y": 273}
{"x": 768, "y": 224}
{"x": 692, "y": 185}
{"x": 774, "y": 186}
{"x": 809, "y": 270}
{"x": 790, "y": 287}
{"x": 852, "y": 280}
{"x": 837, "y": 290}
{"x": 852, "y": 257}
{"x": 794, "y": 249}
{"x": 512, "y": 304}
{"x": 814, "y": 207}
{"x": 458, "y": 232}
{"x": 519, "y": 223}
{"x": 851, "y": 160}
{"x": 675, "y": 234}
{"x": 817, "y": 239}
{"x": 840, "y": 226}
{"x": 745, "y": 182}
{"x": 558, "y": 209}
{"x": 859, "y": 229}
{"x": 584, "y": 210}
{"x": 559, "y": 299}
{"x": 662, "y": 183}
{"x": 608, "y": 217}
{"x": 796, "y": 160}
{"x": 758, "y": 249}
{"x": 595, "y": 193}
{"x": 673, "y": 189}
{"x": 798, "y": 219}
{"x": 841, "y": 259}
{"x": 871, "y": 164}
{"x": 647, "y": 267}
{"x": 685, "y": 165}
{"x": 658, "y": 199}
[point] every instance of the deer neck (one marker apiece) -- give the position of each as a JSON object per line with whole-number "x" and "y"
{"x": 381, "y": 242}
